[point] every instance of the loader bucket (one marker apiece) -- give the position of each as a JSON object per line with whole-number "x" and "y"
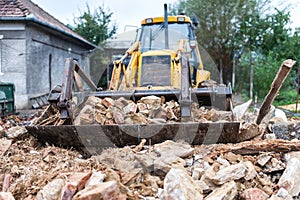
{"x": 92, "y": 139}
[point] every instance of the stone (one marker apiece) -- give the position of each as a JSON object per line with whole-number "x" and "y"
{"x": 107, "y": 102}
{"x": 248, "y": 131}
{"x": 131, "y": 108}
{"x": 283, "y": 194}
{"x": 290, "y": 177}
{"x": 118, "y": 116}
{"x": 79, "y": 179}
{"x": 292, "y": 154}
{"x": 68, "y": 191}
{"x": 6, "y": 196}
{"x": 105, "y": 191}
{"x": 171, "y": 148}
{"x": 15, "y": 132}
{"x": 170, "y": 114}
{"x": 197, "y": 173}
{"x": 121, "y": 103}
{"x": 96, "y": 177}
{"x": 240, "y": 110}
{"x": 158, "y": 112}
{"x": 250, "y": 171}
{"x": 270, "y": 136}
{"x": 263, "y": 159}
{"x": 162, "y": 165}
{"x": 287, "y": 130}
{"x": 280, "y": 114}
{"x": 52, "y": 191}
{"x": 232, "y": 172}
{"x": 92, "y": 101}
{"x": 4, "y": 145}
{"x": 227, "y": 191}
{"x": 179, "y": 185}
{"x": 150, "y": 101}
{"x": 85, "y": 116}
{"x": 142, "y": 107}
{"x": 217, "y": 115}
{"x": 136, "y": 118}
{"x": 254, "y": 194}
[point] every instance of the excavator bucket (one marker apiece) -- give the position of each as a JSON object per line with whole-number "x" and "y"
{"x": 92, "y": 139}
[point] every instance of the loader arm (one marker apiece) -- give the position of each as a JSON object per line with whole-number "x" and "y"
{"x": 120, "y": 66}
{"x": 63, "y": 98}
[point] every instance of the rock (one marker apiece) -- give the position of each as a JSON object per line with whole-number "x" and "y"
{"x": 97, "y": 177}
{"x": 280, "y": 114}
{"x": 121, "y": 102}
{"x": 52, "y": 191}
{"x": 118, "y": 115}
{"x": 248, "y": 131}
{"x": 107, "y": 102}
{"x": 290, "y": 177}
{"x": 105, "y": 191}
{"x": 240, "y": 110}
{"x": 142, "y": 107}
{"x": 287, "y": 130}
{"x": 4, "y": 145}
{"x": 217, "y": 115}
{"x": 170, "y": 114}
{"x": 131, "y": 108}
{"x": 232, "y": 172}
{"x": 292, "y": 154}
{"x": 171, "y": 148}
{"x": 250, "y": 171}
{"x": 197, "y": 173}
{"x": 227, "y": 191}
{"x": 68, "y": 191}
{"x": 85, "y": 116}
{"x": 270, "y": 136}
{"x": 179, "y": 185}
{"x": 6, "y": 196}
{"x": 151, "y": 101}
{"x": 15, "y": 132}
{"x": 136, "y": 118}
{"x": 254, "y": 194}
{"x": 283, "y": 194}
{"x": 162, "y": 165}
{"x": 263, "y": 159}
{"x": 79, "y": 179}
{"x": 158, "y": 112}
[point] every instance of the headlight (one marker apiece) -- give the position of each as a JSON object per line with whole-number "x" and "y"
{"x": 149, "y": 20}
{"x": 180, "y": 19}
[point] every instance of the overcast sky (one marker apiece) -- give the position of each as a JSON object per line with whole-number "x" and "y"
{"x": 129, "y": 12}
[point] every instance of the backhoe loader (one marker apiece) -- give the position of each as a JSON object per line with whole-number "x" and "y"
{"x": 165, "y": 61}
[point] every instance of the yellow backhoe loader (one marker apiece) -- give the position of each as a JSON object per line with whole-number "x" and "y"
{"x": 164, "y": 61}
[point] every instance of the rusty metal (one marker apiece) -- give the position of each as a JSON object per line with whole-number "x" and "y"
{"x": 92, "y": 139}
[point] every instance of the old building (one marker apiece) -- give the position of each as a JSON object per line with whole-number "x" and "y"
{"x": 33, "y": 47}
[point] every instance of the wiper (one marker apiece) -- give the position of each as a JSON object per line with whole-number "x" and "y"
{"x": 160, "y": 28}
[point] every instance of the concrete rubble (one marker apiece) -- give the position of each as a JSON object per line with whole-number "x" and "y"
{"x": 262, "y": 165}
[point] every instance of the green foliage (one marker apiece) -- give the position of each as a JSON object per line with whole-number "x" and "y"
{"x": 95, "y": 27}
{"x": 247, "y": 30}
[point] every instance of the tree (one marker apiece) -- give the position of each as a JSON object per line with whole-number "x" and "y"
{"x": 219, "y": 27}
{"x": 95, "y": 27}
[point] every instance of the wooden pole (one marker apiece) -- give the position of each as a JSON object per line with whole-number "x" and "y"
{"x": 281, "y": 75}
{"x": 298, "y": 88}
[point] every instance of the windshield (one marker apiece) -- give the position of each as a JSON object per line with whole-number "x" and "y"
{"x": 153, "y": 36}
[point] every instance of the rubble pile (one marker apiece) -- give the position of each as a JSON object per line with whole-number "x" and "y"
{"x": 150, "y": 109}
{"x": 257, "y": 169}
{"x": 266, "y": 166}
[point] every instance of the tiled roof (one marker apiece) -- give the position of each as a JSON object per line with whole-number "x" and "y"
{"x": 28, "y": 9}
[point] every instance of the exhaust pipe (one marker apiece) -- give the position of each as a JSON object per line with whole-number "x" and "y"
{"x": 166, "y": 26}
